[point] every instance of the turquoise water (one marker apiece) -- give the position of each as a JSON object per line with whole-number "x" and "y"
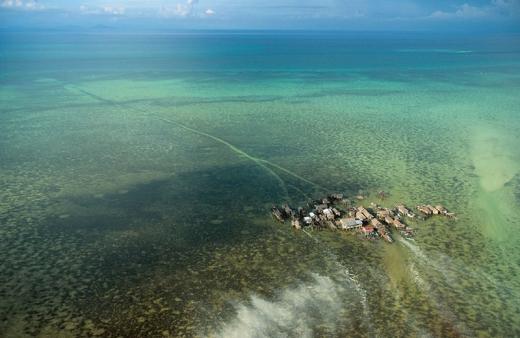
{"x": 137, "y": 172}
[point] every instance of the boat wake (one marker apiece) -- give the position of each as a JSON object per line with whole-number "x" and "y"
{"x": 450, "y": 269}
{"x": 429, "y": 261}
{"x": 413, "y": 248}
{"x": 300, "y": 310}
{"x": 427, "y": 288}
{"x": 262, "y": 163}
{"x": 417, "y": 278}
{"x": 349, "y": 277}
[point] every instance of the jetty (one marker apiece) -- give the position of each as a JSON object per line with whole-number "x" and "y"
{"x": 335, "y": 212}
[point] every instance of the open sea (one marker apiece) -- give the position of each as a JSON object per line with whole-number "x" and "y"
{"x": 137, "y": 172}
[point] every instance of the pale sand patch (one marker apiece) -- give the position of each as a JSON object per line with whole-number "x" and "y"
{"x": 495, "y": 210}
{"x": 496, "y": 162}
{"x": 493, "y": 156}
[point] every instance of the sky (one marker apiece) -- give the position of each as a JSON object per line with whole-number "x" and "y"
{"x": 378, "y": 15}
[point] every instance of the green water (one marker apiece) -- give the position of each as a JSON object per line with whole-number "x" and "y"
{"x": 137, "y": 173}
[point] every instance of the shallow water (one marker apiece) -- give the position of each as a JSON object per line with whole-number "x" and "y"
{"x": 137, "y": 172}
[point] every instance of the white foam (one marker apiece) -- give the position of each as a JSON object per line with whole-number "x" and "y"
{"x": 298, "y": 311}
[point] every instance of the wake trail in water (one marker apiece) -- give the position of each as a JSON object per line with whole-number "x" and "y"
{"x": 426, "y": 287}
{"x": 450, "y": 269}
{"x": 413, "y": 248}
{"x": 294, "y": 174}
{"x": 238, "y": 151}
{"x": 425, "y": 260}
{"x": 325, "y": 302}
{"x": 300, "y": 191}
{"x": 260, "y": 162}
{"x": 350, "y": 277}
{"x": 265, "y": 164}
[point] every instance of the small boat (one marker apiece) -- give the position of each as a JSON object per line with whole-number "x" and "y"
{"x": 277, "y": 214}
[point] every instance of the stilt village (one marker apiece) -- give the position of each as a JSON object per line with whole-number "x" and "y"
{"x": 335, "y": 212}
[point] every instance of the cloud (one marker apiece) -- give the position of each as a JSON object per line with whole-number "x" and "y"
{"x": 495, "y": 9}
{"x": 114, "y": 10}
{"x": 22, "y": 4}
{"x": 275, "y": 14}
{"x": 463, "y": 11}
{"x": 181, "y": 9}
{"x": 507, "y": 7}
{"x": 185, "y": 9}
{"x": 106, "y": 9}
